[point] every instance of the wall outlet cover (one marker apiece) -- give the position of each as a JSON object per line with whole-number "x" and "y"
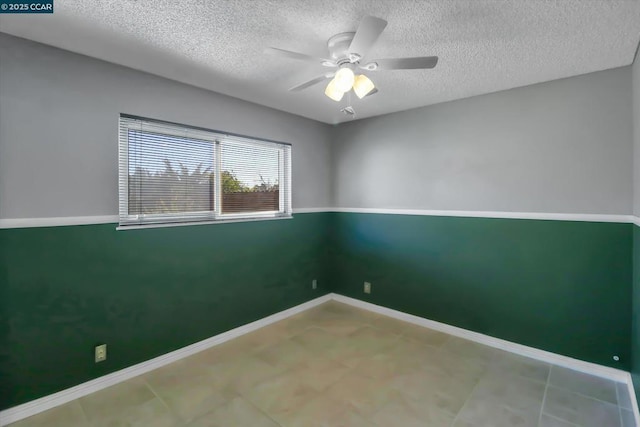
{"x": 101, "y": 353}
{"x": 314, "y": 284}
{"x": 367, "y": 287}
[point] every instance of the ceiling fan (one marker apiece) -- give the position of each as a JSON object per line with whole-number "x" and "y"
{"x": 346, "y": 53}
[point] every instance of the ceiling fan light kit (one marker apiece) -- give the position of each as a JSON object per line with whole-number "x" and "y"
{"x": 333, "y": 92}
{"x": 363, "y": 86}
{"x": 344, "y": 79}
{"x": 346, "y": 50}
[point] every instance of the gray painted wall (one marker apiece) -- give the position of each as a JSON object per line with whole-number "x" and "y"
{"x": 563, "y": 146}
{"x": 636, "y": 136}
{"x": 59, "y": 130}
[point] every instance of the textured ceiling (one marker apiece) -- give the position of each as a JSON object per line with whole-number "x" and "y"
{"x": 484, "y": 46}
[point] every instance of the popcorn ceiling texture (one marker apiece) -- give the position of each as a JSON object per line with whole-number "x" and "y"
{"x": 484, "y": 46}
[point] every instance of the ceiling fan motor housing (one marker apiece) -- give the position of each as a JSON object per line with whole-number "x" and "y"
{"x": 338, "y": 46}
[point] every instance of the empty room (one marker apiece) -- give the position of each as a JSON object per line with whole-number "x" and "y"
{"x": 297, "y": 213}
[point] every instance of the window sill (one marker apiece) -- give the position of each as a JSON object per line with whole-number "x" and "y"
{"x": 183, "y": 224}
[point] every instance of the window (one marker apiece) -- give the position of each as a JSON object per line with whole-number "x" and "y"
{"x": 174, "y": 174}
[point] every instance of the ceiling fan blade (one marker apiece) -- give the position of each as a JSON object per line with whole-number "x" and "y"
{"x": 373, "y": 92}
{"x": 421, "y": 62}
{"x": 311, "y": 82}
{"x": 299, "y": 56}
{"x": 368, "y": 32}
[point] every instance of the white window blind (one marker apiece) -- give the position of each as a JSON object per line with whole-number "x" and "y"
{"x": 171, "y": 173}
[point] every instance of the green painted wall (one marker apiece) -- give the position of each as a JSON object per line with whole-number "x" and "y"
{"x": 556, "y": 285}
{"x": 144, "y": 292}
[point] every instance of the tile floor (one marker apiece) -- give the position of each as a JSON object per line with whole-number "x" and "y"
{"x": 336, "y": 365}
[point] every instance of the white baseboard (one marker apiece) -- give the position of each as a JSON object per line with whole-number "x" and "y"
{"x": 523, "y": 350}
{"x": 34, "y": 407}
{"x": 39, "y": 405}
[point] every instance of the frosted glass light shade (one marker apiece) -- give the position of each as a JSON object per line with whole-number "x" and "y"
{"x": 332, "y": 91}
{"x": 362, "y": 86}
{"x": 344, "y": 79}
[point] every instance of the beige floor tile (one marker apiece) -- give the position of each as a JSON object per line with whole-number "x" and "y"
{"x": 346, "y": 352}
{"x": 319, "y": 372}
{"x": 436, "y": 389}
{"x": 549, "y": 421}
{"x": 522, "y": 366}
{"x": 287, "y": 354}
{"x": 380, "y": 366}
{"x": 241, "y": 374}
{"x": 389, "y": 324}
{"x": 366, "y": 395}
{"x": 628, "y": 420}
{"x": 368, "y": 317}
{"x": 495, "y": 415}
{"x": 392, "y": 415}
{"x": 471, "y": 350}
{"x": 365, "y": 342}
{"x": 518, "y": 393}
{"x": 425, "y": 335}
{"x": 152, "y": 413}
{"x": 412, "y": 354}
{"x": 404, "y": 411}
{"x": 504, "y": 400}
{"x": 588, "y": 385}
{"x": 581, "y": 410}
{"x": 374, "y": 339}
{"x": 471, "y": 368}
{"x": 280, "y": 396}
{"x": 186, "y": 389}
{"x": 67, "y": 415}
{"x": 321, "y": 411}
{"x": 317, "y": 340}
{"x": 237, "y": 413}
{"x": 295, "y": 324}
{"x": 350, "y": 418}
{"x": 122, "y": 397}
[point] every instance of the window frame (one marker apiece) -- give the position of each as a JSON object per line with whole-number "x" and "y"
{"x": 129, "y": 221}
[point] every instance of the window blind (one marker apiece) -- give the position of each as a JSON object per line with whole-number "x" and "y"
{"x": 171, "y": 173}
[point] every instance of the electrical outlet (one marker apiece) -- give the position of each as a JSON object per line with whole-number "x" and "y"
{"x": 367, "y": 287}
{"x": 314, "y": 284}
{"x": 101, "y": 353}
